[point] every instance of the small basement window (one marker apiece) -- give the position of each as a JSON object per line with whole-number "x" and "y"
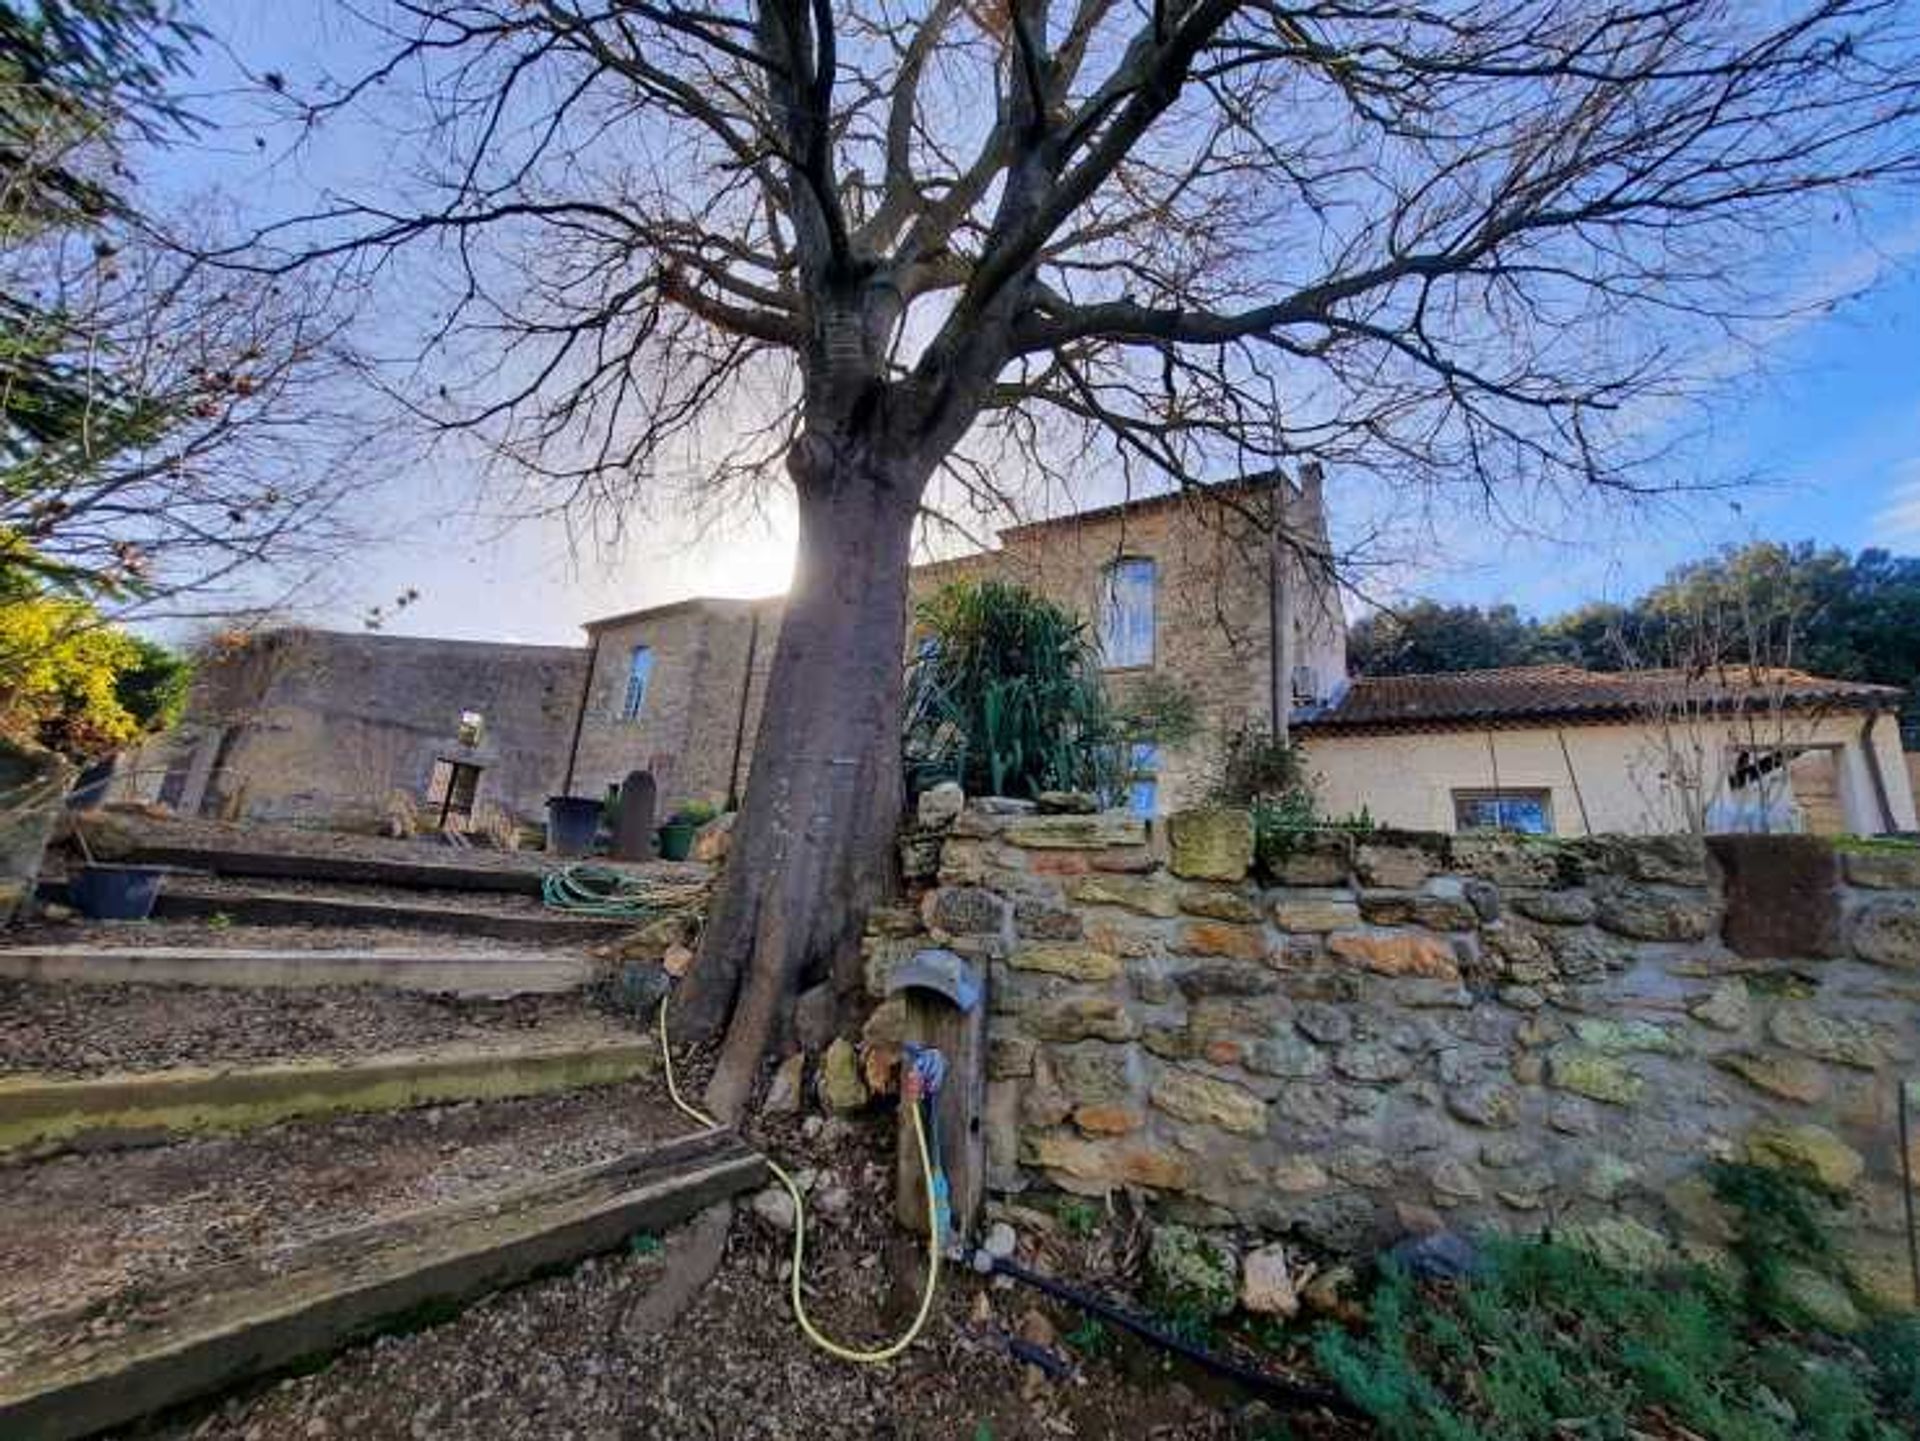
{"x": 1530, "y": 812}
{"x": 639, "y": 676}
{"x": 1126, "y": 614}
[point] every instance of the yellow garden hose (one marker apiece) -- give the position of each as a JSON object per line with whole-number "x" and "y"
{"x": 812, "y": 1332}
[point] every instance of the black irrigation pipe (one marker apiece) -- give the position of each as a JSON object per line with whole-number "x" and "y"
{"x": 1293, "y": 1393}
{"x": 1906, "y": 1174}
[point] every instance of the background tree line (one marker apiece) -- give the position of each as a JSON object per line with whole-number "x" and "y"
{"x": 1852, "y": 617}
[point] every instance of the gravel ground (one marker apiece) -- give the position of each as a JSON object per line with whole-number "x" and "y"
{"x": 82, "y": 1030}
{"x": 82, "y": 1237}
{"x": 123, "y": 935}
{"x": 555, "y": 1359}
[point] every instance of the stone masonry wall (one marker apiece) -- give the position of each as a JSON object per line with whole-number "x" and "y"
{"x": 1493, "y": 1032}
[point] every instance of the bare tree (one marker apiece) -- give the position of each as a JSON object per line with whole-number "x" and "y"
{"x": 936, "y": 251}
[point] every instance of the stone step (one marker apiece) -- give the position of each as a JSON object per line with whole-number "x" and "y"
{"x": 184, "y": 900}
{"x": 40, "y": 1114}
{"x": 449, "y": 972}
{"x": 449, "y": 875}
{"x": 225, "y": 1325}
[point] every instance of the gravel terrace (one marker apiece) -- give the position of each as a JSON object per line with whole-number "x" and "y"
{"x": 123, "y": 935}
{"x": 82, "y": 1030}
{"x": 82, "y": 1236}
{"x": 556, "y": 1358}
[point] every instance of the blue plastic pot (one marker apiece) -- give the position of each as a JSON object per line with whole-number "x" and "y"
{"x": 572, "y": 824}
{"x": 115, "y": 893}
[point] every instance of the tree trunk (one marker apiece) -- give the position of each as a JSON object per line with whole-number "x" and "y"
{"x": 813, "y": 846}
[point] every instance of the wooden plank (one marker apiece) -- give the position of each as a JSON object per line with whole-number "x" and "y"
{"x": 459, "y": 973}
{"x": 234, "y": 1323}
{"x": 346, "y": 870}
{"x": 268, "y": 908}
{"x": 39, "y": 1113}
{"x": 960, "y": 1036}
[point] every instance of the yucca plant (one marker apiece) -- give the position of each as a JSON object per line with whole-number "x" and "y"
{"x": 1005, "y": 696}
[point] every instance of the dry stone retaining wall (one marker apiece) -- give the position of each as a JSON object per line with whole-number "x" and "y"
{"x": 1493, "y": 1032}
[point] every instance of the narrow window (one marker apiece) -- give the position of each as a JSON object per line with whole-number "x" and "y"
{"x": 1126, "y": 614}
{"x": 1143, "y": 779}
{"x": 639, "y": 673}
{"x": 1530, "y": 812}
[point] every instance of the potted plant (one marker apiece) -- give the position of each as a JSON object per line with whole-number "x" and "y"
{"x": 676, "y": 836}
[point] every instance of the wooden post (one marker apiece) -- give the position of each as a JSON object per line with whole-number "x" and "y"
{"x": 960, "y": 1035}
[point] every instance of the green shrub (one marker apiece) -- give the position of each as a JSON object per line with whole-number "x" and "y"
{"x": 1006, "y": 697}
{"x": 1550, "y": 1342}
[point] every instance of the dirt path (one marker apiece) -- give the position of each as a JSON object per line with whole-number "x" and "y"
{"x": 82, "y": 1030}
{"x": 85, "y": 1235}
{"x": 563, "y": 1358}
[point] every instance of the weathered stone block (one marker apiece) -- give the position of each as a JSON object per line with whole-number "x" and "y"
{"x": 1728, "y": 1007}
{"x": 1109, "y": 1118}
{"x": 1009, "y": 1056}
{"x": 1094, "y": 1071}
{"x": 1086, "y": 833}
{"x": 1041, "y": 921}
{"x": 1795, "y": 1078}
{"x": 1063, "y": 958}
{"x": 1618, "y": 1038}
{"x": 1454, "y": 1182}
{"x": 1214, "y": 844}
{"x": 1489, "y": 1104}
{"x": 1081, "y": 1018}
{"x": 1205, "y": 1101}
{"x": 1286, "y": 1055}
{"x": 1396, "y": 953}
{"x": 1094, "y": 1166}
{"x": 1397, "y": 866}
{"x": 1801, "y": 1027}
{"x": 1650, "y": 913}
{"x": 966, "y": 911}
{"x": 1225, "y": 979}
{"x": 1321, "y": 858}
{"x": 1884, "y": 867}
{"x": 1782, "y": 895}
{"x": 1307, "y": 911}
{"x": 1269, "y": 1283}
{"x": 1620, "y": 1242}
{"x": 1121, "y": 938}
{"x": 1812, "y": 1153}
{"x": 842, "y": 1088}
{"x": 1555, "y": 908}
{"x": 1220, "y": 903}
{"x": 1888, "y": 934}
{"x": 1146, "y": 895}
{"x": 1221, "y": 938}
{"x": 1507, "y": 861}
{"x": 1593, "y": 1074}
{"x": 940, "y": 806}
{"x": 1372, "y": 1061}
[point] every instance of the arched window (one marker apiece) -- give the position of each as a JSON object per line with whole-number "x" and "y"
{"x": 1126, "y": 613}
{"x": 639, "y": 673}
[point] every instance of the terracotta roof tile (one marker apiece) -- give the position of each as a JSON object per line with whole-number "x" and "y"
{"x": 1563, "y": 693}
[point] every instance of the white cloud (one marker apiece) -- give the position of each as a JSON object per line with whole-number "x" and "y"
{"x": 1899, "y": 518}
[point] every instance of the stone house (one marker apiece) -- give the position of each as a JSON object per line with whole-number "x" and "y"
{"x": 322, "y": 727}
{"x": 1562, "y": 751}
{"x": 1225, "y": 594}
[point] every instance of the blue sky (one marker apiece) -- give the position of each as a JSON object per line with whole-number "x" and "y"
{"x": 1831, "y": 421}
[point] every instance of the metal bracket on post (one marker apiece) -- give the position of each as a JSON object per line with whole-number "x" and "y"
{"x": 946, "y": 1010}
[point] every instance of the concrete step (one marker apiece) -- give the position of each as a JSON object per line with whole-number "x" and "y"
{"x": 448, "y": 972}
{"x": 183, "y": 899}
{"x": 219, "y": 1327}
{"x": 42, "y": 1114}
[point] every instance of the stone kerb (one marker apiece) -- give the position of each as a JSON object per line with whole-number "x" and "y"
{"x": 1381, "y": 1028}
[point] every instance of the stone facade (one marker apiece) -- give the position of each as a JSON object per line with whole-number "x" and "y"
{"x": 321, "y": 726}
{"x": 1502, "y": 1032}
{"x": 710, "y": 658}
{"x": 1213, "y": 602}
